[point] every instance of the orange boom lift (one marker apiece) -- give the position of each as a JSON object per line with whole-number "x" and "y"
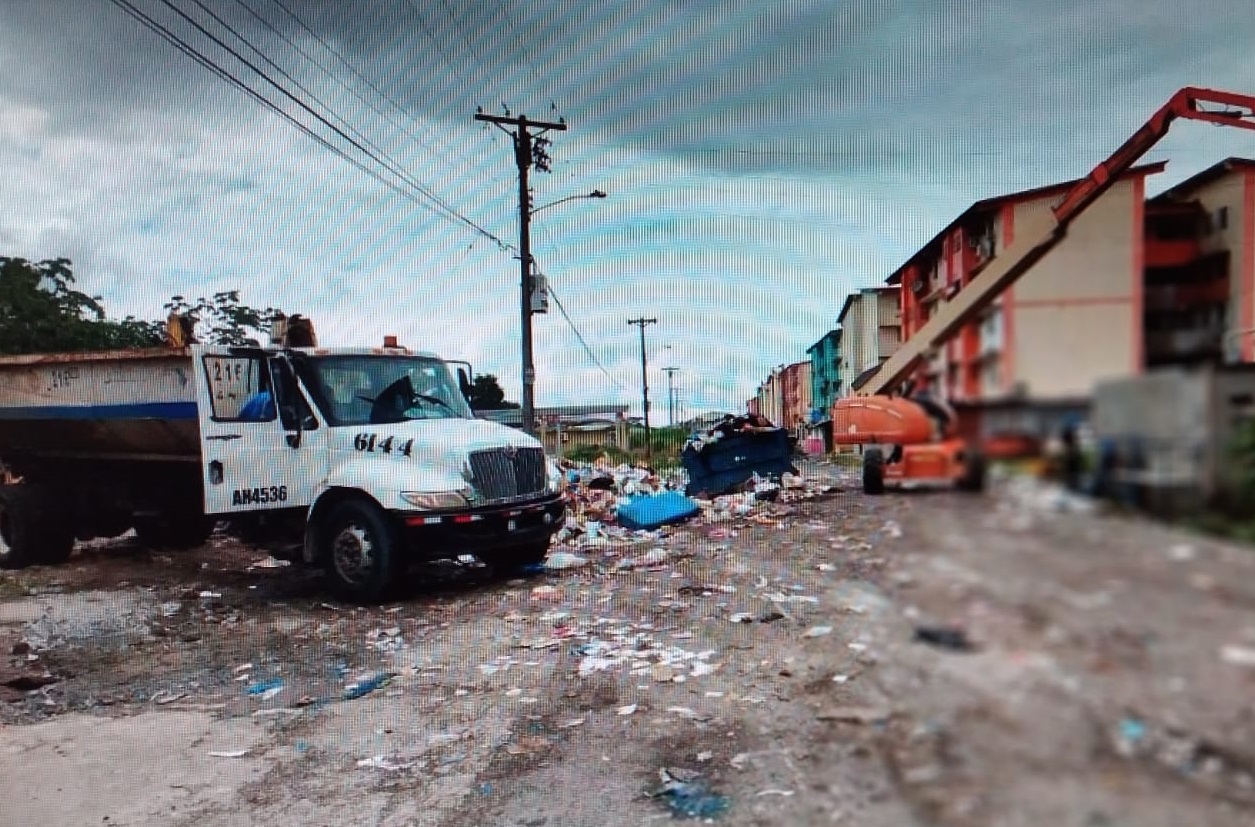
{"x": 911, "y": 437}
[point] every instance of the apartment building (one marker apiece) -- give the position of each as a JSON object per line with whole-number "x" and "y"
{"x": 1200, "y": 268}
{"x": 1076, "y": 318}
{"x": 871, "y": 325}
{"x": 825, "y": 359}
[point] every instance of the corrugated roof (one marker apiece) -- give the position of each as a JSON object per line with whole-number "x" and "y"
{"x": 987, "y": 204}
{"x": 1213, "y": 172}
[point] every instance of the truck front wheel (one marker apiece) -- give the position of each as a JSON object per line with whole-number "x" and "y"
{"x": 30, "y": 533}
{"x": 360, "y": 551}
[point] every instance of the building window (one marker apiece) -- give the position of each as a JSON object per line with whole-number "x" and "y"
{"x": 1221, "y": 221}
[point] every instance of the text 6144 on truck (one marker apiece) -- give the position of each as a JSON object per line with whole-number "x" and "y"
{"x": 358, "y": 461}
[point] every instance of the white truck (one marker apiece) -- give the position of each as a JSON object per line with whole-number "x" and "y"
{"x": 358, "y": 461}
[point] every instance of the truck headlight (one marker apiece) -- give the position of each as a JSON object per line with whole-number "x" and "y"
{"x": 438, "y": 500}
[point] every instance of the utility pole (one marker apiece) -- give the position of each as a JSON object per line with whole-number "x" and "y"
{"x": 670, "y": 395}
{"x": 524, "y": 157}
{"x": 649, "y": 448}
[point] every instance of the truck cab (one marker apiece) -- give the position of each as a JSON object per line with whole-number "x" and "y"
{"x": 364, "y": 460}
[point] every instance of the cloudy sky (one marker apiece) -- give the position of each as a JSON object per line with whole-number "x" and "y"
{"x": 762, "y": 159}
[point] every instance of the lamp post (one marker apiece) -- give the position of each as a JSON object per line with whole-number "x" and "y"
{"x": 528, "y": 286}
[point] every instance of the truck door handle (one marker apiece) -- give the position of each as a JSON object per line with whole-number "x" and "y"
{"x": 223, "y": 437}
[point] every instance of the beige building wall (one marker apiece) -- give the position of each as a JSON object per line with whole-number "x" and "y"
{"x": 1225, "y": 201}
{"x": 1076, "y": 317}
{"x": 871, "y": 332}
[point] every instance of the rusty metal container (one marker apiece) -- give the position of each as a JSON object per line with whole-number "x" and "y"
{"x": 125, "y": 405}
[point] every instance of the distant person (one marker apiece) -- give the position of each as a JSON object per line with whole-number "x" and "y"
{"x": 1073, "y": 460}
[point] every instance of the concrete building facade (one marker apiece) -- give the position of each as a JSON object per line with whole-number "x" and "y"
{"x": 825, "y": 359}
{"x": 1074, "y": 319}
{"x": 871, "y": 325}
{"x": 795, "y": 382}
{"x": 1200, "y": 268}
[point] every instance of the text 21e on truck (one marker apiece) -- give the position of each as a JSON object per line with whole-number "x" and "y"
{"x": 358, "y": 461}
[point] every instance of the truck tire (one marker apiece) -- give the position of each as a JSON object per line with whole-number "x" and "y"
{"x": 360, "y": 551}
{"x": 975, "y": 473}
{"x": 176, "y": 533}
{"x": 30, "y": 532}
{"x": 873, "y": 471}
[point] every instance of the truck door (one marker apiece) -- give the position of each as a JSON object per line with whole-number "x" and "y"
{"x": 262, "y": 445}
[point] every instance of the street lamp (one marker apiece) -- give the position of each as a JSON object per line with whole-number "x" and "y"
{"x": 593, "y": 194}
{"x": 527, "y": 285}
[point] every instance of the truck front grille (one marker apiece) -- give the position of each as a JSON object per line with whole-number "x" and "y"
{"x": 502, "y": 475}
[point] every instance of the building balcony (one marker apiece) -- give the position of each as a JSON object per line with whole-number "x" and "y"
{"x": 1172, "y": 252}
{"x": 1187, "y": 294}
{"x": 1161, "y": 343}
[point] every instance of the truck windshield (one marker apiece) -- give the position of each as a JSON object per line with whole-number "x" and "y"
{"x": 372, "y": 390}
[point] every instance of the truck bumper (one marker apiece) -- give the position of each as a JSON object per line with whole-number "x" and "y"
{"x": 486, "y": 529}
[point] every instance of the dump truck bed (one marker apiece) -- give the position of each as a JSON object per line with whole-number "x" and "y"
{"x": 121, "y": 404}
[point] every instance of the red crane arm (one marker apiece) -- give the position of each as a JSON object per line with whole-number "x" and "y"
{"x": 1186, "y": 103}
{"x": 1006, "y": 267}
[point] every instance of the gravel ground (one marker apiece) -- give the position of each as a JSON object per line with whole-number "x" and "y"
{"x": 912, "y": 659}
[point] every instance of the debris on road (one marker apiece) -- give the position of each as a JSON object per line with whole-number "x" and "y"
{"x": 687, "y": 796}
{"x": 944, "y": 638}
{"x": 365, "y": 686}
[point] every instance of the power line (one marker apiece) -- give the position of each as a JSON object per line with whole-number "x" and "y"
{"x": 183, "y": 46}
{"x": 353, "y": 69}
{"x": 393, "y": 166}
{"x": 346, "y": 87}
{"x": 571, "y": 323}
{"x": 151, "y": 23}
{"x": 436, "y": 42}
{"x": 451, "y": 212}
{"x": 554, "y": 295}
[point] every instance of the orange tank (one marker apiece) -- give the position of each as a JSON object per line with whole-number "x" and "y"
{"x": 871, "y": 420}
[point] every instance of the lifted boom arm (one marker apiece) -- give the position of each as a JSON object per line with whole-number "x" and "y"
{"x": 1040, "y": 234}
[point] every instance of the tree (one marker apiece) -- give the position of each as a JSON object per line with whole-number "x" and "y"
{"x": 487, "y": 394}
{"x": 42, "y": 311}
{"x": 222, "y": 320}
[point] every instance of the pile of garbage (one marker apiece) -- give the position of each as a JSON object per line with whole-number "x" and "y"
{"x": 727, "y": 427}
{"x": 611, "y": 506}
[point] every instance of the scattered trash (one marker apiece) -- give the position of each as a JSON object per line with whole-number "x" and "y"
{"x": 626, "y": 710}
{"x": 239, "y": 753}
{"x": 559, "y": 560}
{"x": 378, "y": 762}
{"x": 689, "y": 797}
{"x": 1182, "y": 552}
{"x": 162, "y": 698}
{"x": 271, "y": 563}
{"x": 365, "y": 686}
{"x": 855, "y": 715}
{"x": 782, "y": 793}
{"x": 1238, "y": 656}
{"x": 266, "y": 689}
{"x": 817, "y": 631}
{"x": 944, "y": 638}
{"x": 26, "y": 682}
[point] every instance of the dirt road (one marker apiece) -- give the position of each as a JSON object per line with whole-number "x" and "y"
{"x": 763, "y": 670}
